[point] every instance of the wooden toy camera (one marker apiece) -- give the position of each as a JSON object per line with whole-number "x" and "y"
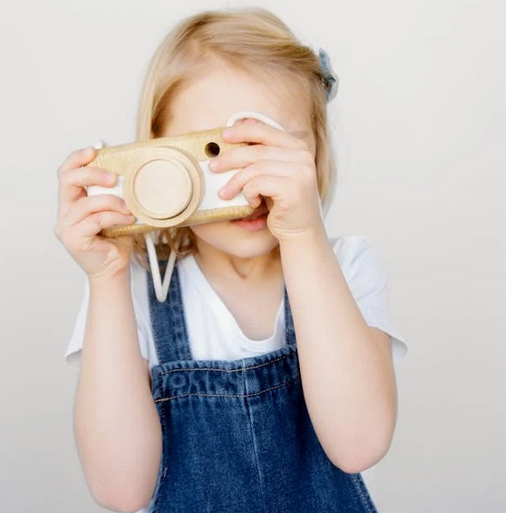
{"x": 167, "y": 182}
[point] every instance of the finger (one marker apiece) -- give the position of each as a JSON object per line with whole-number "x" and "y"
{"x": 242, "y": 177}
{"x": 242, "y": 156}
{"x": 95, "y": 223}
{"x": 260, "y": 133}
{"x": 74, "y": 235}
{"x": 77, "y": 159}
{"x": 247, "y": 120}
{"x": 274, "y": 187}
{"x": 73, "y": 181}
{"x": 95, "y": 204}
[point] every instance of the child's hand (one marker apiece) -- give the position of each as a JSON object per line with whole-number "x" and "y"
{"x": 280, "y": 167}
{"x": 80, "y": 218}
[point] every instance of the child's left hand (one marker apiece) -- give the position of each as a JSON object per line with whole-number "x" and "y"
{"x": 280, "y": 167}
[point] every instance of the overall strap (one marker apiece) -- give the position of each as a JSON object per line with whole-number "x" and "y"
{"x": 289, "y": 328}
{"x": 168, "y": 322}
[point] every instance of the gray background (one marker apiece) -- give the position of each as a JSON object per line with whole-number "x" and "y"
{"x": 420, "y": 128}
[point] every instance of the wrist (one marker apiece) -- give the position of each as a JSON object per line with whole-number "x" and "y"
{"x": 313, "y": 235}
{"x": 107, "y": 280}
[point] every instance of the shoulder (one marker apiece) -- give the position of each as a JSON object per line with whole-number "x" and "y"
{"x": 346, "y": 244}
{"x": 353, "y": 250}
{"x": 365, "y": 272}
{"x": 362, "y": 265}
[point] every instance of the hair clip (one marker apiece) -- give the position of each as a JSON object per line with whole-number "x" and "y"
{"x": 330, "y": 79}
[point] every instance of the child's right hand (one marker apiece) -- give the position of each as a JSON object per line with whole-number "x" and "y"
{"x": 80, "y": 218}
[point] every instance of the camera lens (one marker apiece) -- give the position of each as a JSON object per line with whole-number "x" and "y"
{"x": 162, "y": 188}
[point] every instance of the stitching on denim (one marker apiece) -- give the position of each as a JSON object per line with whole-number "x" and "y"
{"x": 178, "y": 314}
{"x": 154, "y": 319}
{"x": 226, "y": 370}
{"x": 163, "y": 462}
{"x": 254, "y": 441}
{"x": 226, "y": 395}
{"x": 357, "y": 481}
{"x": 168, "y": 320}
{"x": 158, "y": 488}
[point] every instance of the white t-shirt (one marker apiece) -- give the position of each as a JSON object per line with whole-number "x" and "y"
{"x": 362, "y": 268}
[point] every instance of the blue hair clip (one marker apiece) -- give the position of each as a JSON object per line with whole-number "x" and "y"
{"x": 330, "y": 80}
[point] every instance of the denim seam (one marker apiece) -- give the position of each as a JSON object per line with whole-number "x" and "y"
{"x": 357, "y": 481}
{"x": 163, "y": 463}
{"x": 227, "y": 395}
{"x": 178, "y": 316}
{"x": 226, "y": 370}
{"x": 254, "y": 439}
{"x": 156, "y": 331}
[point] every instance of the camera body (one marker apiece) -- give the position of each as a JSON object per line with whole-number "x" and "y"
{"x": 167, "y": 182}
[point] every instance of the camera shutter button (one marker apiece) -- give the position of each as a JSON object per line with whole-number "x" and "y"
{"x": 162, "y": 188}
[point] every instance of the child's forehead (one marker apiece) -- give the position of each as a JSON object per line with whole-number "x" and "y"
{"x": 210, "y": 97}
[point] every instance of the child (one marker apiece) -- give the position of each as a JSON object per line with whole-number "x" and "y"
{"x": 259, "y": 384}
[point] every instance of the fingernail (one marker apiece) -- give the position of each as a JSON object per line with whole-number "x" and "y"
{"x": 223, "y": 192}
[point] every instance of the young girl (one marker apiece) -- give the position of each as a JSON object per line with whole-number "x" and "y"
{"x": 260, "y": 383}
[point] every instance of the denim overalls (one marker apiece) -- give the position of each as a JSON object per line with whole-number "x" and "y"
{"x": 237, "y": 437}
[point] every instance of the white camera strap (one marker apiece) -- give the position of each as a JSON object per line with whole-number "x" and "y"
{"x": 162, "y": 288}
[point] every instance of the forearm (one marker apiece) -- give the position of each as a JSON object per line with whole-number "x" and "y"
{"x": 116, "y": 424}
{"x": 348, "y": 382}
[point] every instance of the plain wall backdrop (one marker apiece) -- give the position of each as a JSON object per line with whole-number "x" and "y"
{"x": 419, "y": 124}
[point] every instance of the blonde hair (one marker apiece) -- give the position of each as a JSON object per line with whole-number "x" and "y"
{"x": 250, "y": 39}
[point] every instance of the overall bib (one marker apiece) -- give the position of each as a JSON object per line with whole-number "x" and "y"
{"x": 237, "y": 437}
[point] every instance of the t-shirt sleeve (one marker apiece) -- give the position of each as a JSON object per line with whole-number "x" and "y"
{"x": 74, "y": 347}
{"x": 366, "y": 276}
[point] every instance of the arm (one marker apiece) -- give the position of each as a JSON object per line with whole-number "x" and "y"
{"x": 346, "y": 367}
{"x": 116, "y": 424}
